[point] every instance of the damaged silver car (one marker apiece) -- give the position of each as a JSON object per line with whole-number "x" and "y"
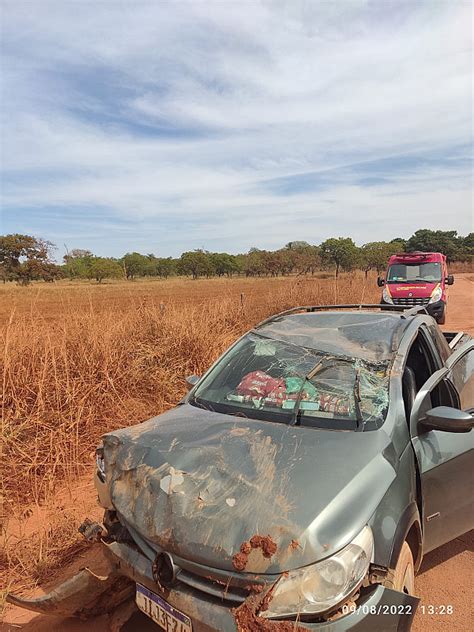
{"x": 297, "y": 485}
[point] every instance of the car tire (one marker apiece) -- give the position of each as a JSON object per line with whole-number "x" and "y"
{"x": 442, "y": 319}
{"x": 402, "y": 578}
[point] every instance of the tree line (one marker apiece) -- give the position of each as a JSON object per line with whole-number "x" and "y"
{"x": 25, "y": 258}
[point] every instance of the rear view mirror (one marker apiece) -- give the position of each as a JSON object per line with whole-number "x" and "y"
{"x": 447, "y": 419}
{"x": 450, "y": 279}
{"x": 191, "y": 381}
{"x": 380, "y": 281}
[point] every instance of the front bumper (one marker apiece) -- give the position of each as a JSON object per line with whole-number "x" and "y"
{"x": 434, "y": 309}
{"x": 380, "y": 610}
{"x": 84, "y": 595}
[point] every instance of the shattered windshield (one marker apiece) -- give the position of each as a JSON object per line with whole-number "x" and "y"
{"x": 267, "y": 379}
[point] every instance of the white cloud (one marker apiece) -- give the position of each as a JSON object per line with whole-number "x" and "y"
{"x": 190, "y": 110}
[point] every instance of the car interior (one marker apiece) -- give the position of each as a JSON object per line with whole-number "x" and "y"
{"x": 420, "y": 365}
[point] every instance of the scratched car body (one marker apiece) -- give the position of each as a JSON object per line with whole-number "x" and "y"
{"x": 299, "y": 482}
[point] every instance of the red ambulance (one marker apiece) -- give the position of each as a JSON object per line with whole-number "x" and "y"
{"x": 417, "y": 278}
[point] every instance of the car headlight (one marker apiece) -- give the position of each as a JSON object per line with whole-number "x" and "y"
{"x": 324, "y": 585}
{"x": 436, "y": 294}
{"x": 386, "y": 296}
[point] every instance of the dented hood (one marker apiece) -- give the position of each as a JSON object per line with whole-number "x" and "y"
{"x": 198, "y": 484}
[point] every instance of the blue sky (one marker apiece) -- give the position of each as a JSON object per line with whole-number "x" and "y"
{"x": 167, "y": 126}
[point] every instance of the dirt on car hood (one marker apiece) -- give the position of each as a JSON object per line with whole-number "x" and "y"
{"x": 201, "y": 485}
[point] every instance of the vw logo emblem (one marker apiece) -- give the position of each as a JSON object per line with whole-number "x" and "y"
{"x": 410, "y": 294}
{"x": 164, "y": 569}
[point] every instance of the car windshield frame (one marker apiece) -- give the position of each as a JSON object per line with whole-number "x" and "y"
{"x": 368, "y": 377}
{"x": 420, "y": 278}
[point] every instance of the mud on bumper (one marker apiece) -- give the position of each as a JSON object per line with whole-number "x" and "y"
{"x": 380, "y": 610}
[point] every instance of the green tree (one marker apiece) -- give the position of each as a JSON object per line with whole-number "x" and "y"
{"x": 468, "y": 241}
{"x": 77, "y": 263}
{"x": 160, "y": 266}
{"x": 340, "y": 252}
{"x": 466, "y": 252}
{"x": 444, "y": 241}
{"x": 196, "y": 263}
{"x": 401, "y": 243}
{"x": 105, "y": 268}
{"x": 165, "y": 267}
{"x": 375, "y": 255}
{"x": 224, "y": 264}
{"x": 255, "y": 264}
{"x": 241, "y": 262}
{"x": 306, "y": 258}
{"x": 135, "y": 264}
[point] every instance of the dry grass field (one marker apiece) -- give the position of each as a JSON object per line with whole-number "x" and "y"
{"x": 79, "y": 359}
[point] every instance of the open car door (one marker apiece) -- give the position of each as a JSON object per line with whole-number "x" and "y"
{"x": 441, "y": 424}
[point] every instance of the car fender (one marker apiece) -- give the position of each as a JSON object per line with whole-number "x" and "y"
{"x": 397, "y": 513}
{"x": 409, "y": 528}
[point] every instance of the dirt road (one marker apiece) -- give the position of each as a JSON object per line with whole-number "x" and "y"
{"x": 444, "y": 583}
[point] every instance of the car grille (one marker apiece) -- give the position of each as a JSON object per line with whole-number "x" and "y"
{"x": 212, "y": 586}
{"x": 227, "y": 586}
{"x": 411, "y": 301}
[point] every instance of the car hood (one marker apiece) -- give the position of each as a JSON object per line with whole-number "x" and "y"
{"x": 407, "y": 290}
{"x": 199, "y": 484}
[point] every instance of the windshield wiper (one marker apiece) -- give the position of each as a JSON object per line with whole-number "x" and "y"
{"x": 357, "y": 400}
{"x": 317, "y": 367}
{"x": 429, "y": 280}
{"x": 322, "y": 365}
{"x": 200, "y": 403}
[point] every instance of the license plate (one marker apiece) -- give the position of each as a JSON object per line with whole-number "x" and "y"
{"x": 161, "y": 612}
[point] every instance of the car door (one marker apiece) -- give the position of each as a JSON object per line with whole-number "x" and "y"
{"x": 446, "y": 459}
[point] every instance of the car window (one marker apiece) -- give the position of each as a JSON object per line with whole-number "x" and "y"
{"x": 401, "y": 272}
{"x": 268, "y": 379}
{"x": 441, "y": 342}
{"x": 424, "y": 360}
{"x": 421, "y": 360}
{"x": 462, "y": 376}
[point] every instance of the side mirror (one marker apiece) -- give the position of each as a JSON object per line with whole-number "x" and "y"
{"x": 450, "y": 279}
{"x": 192, "y": 380}
{"x": 447, "y": 419}
{"x": 380, "y": 281}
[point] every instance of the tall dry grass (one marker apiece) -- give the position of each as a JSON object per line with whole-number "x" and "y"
{"x": 460, "y": 266}
{"x": 95, "y": 366}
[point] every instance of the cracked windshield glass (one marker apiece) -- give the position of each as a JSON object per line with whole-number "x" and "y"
{"x": 267, "y": 379}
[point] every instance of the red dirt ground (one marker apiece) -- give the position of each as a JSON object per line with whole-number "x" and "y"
{"x": 445, "y": 579}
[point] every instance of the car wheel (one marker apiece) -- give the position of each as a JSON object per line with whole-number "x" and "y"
{"x": 442, "y": 319}
{"x": 402, "y": 578}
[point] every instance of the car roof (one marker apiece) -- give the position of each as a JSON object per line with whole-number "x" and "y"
{"x": 370, "y": 336}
